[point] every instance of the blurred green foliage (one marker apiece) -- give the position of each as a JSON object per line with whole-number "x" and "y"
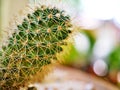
{"x": 92, "y": 39}
{"x": 114, "y": 59}
{"x": 73, "y": 57}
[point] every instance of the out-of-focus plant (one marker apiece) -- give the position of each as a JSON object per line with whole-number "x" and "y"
{"x": 114, "y": 59}
{"x": 92, "y": 39}
{"x": 73, "y": 57}
{"x": 114, "y": 64}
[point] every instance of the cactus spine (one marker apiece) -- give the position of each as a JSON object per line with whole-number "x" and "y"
{"x": 34, "y": 44}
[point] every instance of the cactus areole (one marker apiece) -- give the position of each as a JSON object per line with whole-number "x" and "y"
{"x": 33, "y": 45}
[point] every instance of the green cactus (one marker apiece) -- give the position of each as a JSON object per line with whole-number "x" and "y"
{"x": 33, "y": 45}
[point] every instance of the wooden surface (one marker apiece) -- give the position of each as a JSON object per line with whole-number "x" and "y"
{"x": 68, "y": 73}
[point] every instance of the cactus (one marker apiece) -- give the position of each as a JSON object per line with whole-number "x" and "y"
{"x": 33, "y": 45}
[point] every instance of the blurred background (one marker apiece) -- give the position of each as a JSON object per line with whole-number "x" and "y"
{"x": 96, "y": 48}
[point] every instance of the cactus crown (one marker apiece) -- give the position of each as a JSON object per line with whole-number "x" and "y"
{"x": 34, "y": 44}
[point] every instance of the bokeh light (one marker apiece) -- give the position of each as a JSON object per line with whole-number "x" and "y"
{"x": 100, "y": 67}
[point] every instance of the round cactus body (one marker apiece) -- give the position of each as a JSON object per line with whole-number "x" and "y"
{"x": 33, "y": 45}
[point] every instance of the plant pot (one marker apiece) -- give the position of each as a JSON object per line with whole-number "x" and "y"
{"x": 67, "y": 78}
